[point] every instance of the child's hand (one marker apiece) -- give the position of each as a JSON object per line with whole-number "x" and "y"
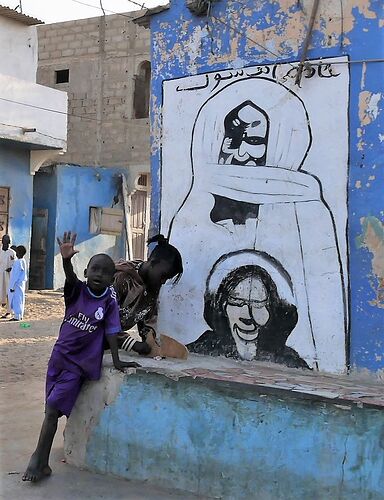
{"x": 67, "y": 245}
{"x": 120, "y": 365}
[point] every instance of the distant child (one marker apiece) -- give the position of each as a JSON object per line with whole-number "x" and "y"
{"x": 91, "y": 313}
{"x": 17, "y": 280}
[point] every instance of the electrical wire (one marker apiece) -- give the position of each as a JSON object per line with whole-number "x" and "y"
{"x": 356, "y": 61}
{"x": 40, "y": 133}
{"x": 50, "y": 110}
{"x": 378, "y": 60}
{"x": 88, "y": 36}
{"x": 142, "y": 6}
{"x": 250, "y": 39}
{"x": 241, "y": 34}
{"x": 102, "y": 8}
{"x": 106, "y": 10}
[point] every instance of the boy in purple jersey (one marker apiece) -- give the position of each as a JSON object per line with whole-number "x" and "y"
{"x": 91, "y": 314}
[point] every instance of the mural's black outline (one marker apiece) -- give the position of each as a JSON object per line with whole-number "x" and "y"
{"x": 194, "y": 127}
{"x": 348, "y": 297}
{"x": 305, "y": 288}
{"x": 251, "y": 65}
{"x": 346, "y": 291}
{"x": 279, "y": 267}
{"x": 214, "y": 311}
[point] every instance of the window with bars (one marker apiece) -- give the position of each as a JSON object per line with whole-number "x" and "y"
{"x": 62, "y": 76}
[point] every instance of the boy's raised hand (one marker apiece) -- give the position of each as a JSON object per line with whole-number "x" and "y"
{"x": 67, "y": 245}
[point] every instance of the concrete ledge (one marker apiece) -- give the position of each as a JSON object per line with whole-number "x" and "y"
{"x": 223, "y": 429}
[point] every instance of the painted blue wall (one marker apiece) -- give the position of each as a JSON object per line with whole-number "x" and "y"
{"x": 14, "y": 173}
{"x": 78, "y": 189}
{"x": 243, "y": 445}
{"x": 44, "y": 196}
{"x": 184, "y": 44}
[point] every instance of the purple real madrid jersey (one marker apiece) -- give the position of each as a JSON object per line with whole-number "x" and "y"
{"x": 88, "y": 318}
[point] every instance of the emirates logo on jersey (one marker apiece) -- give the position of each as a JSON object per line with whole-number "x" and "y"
{"x": 99, "y": 314}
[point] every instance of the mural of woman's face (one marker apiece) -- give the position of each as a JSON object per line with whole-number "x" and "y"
{"x": 246, "y": 309}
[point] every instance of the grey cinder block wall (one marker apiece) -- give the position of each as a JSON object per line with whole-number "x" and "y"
{"x": 104, "y": 56}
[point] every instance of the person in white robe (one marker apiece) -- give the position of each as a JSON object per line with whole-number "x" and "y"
{"x": 7, "y": 258}
{"x": 18, "y": 279}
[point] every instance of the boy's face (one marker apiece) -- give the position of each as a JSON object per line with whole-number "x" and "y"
{"x": 158, "y": 273}
{"x": 99, "y": 273}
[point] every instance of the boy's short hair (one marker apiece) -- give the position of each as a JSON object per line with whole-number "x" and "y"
{"x": 104, "y": 256}
{"x": 21, "y": 250}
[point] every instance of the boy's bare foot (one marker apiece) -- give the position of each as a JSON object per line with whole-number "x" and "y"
{"x": 35, "y": 472}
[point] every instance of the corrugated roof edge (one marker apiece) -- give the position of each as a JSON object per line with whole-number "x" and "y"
{"x": 143, "y": 19}
{"x": 16, "y": 16}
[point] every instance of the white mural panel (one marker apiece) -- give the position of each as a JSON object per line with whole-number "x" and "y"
{"x": 254, "y": 182}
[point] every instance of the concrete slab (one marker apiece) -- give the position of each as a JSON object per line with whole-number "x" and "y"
{"x": 355, "y": 389}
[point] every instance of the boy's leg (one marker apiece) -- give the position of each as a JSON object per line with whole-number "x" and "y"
{"x": 38, "y": 465}
{"x": 62, "y": 389}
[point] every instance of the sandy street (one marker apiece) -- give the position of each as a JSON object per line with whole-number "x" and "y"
{"x": 25, "y": 348}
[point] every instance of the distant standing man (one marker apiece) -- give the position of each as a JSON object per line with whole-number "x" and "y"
{"x": 7, "y": 258}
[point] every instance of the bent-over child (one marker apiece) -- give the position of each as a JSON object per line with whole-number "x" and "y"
{"x": 137, "y": 284}
{"x": 17, "y": 281}
{"x": 91, "y": 313}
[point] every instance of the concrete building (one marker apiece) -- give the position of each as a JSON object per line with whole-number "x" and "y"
{"x": 33, "y": 123}
{"x": 104, "y": 65}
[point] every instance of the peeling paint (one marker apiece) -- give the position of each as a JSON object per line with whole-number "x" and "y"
{"x": 280, "y": 26}
{"x": 239, "y": 33}
{"x": 155, "y": 125}
{"x": 372, "y": 238}
{"x": 368, "y": 107}
{"x": 364, "y": 9}
{"x": 360, "y": 145}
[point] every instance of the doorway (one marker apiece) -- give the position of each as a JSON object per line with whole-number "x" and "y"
{"x": 139, "y": 210}
{"x": 38, "y": 249}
